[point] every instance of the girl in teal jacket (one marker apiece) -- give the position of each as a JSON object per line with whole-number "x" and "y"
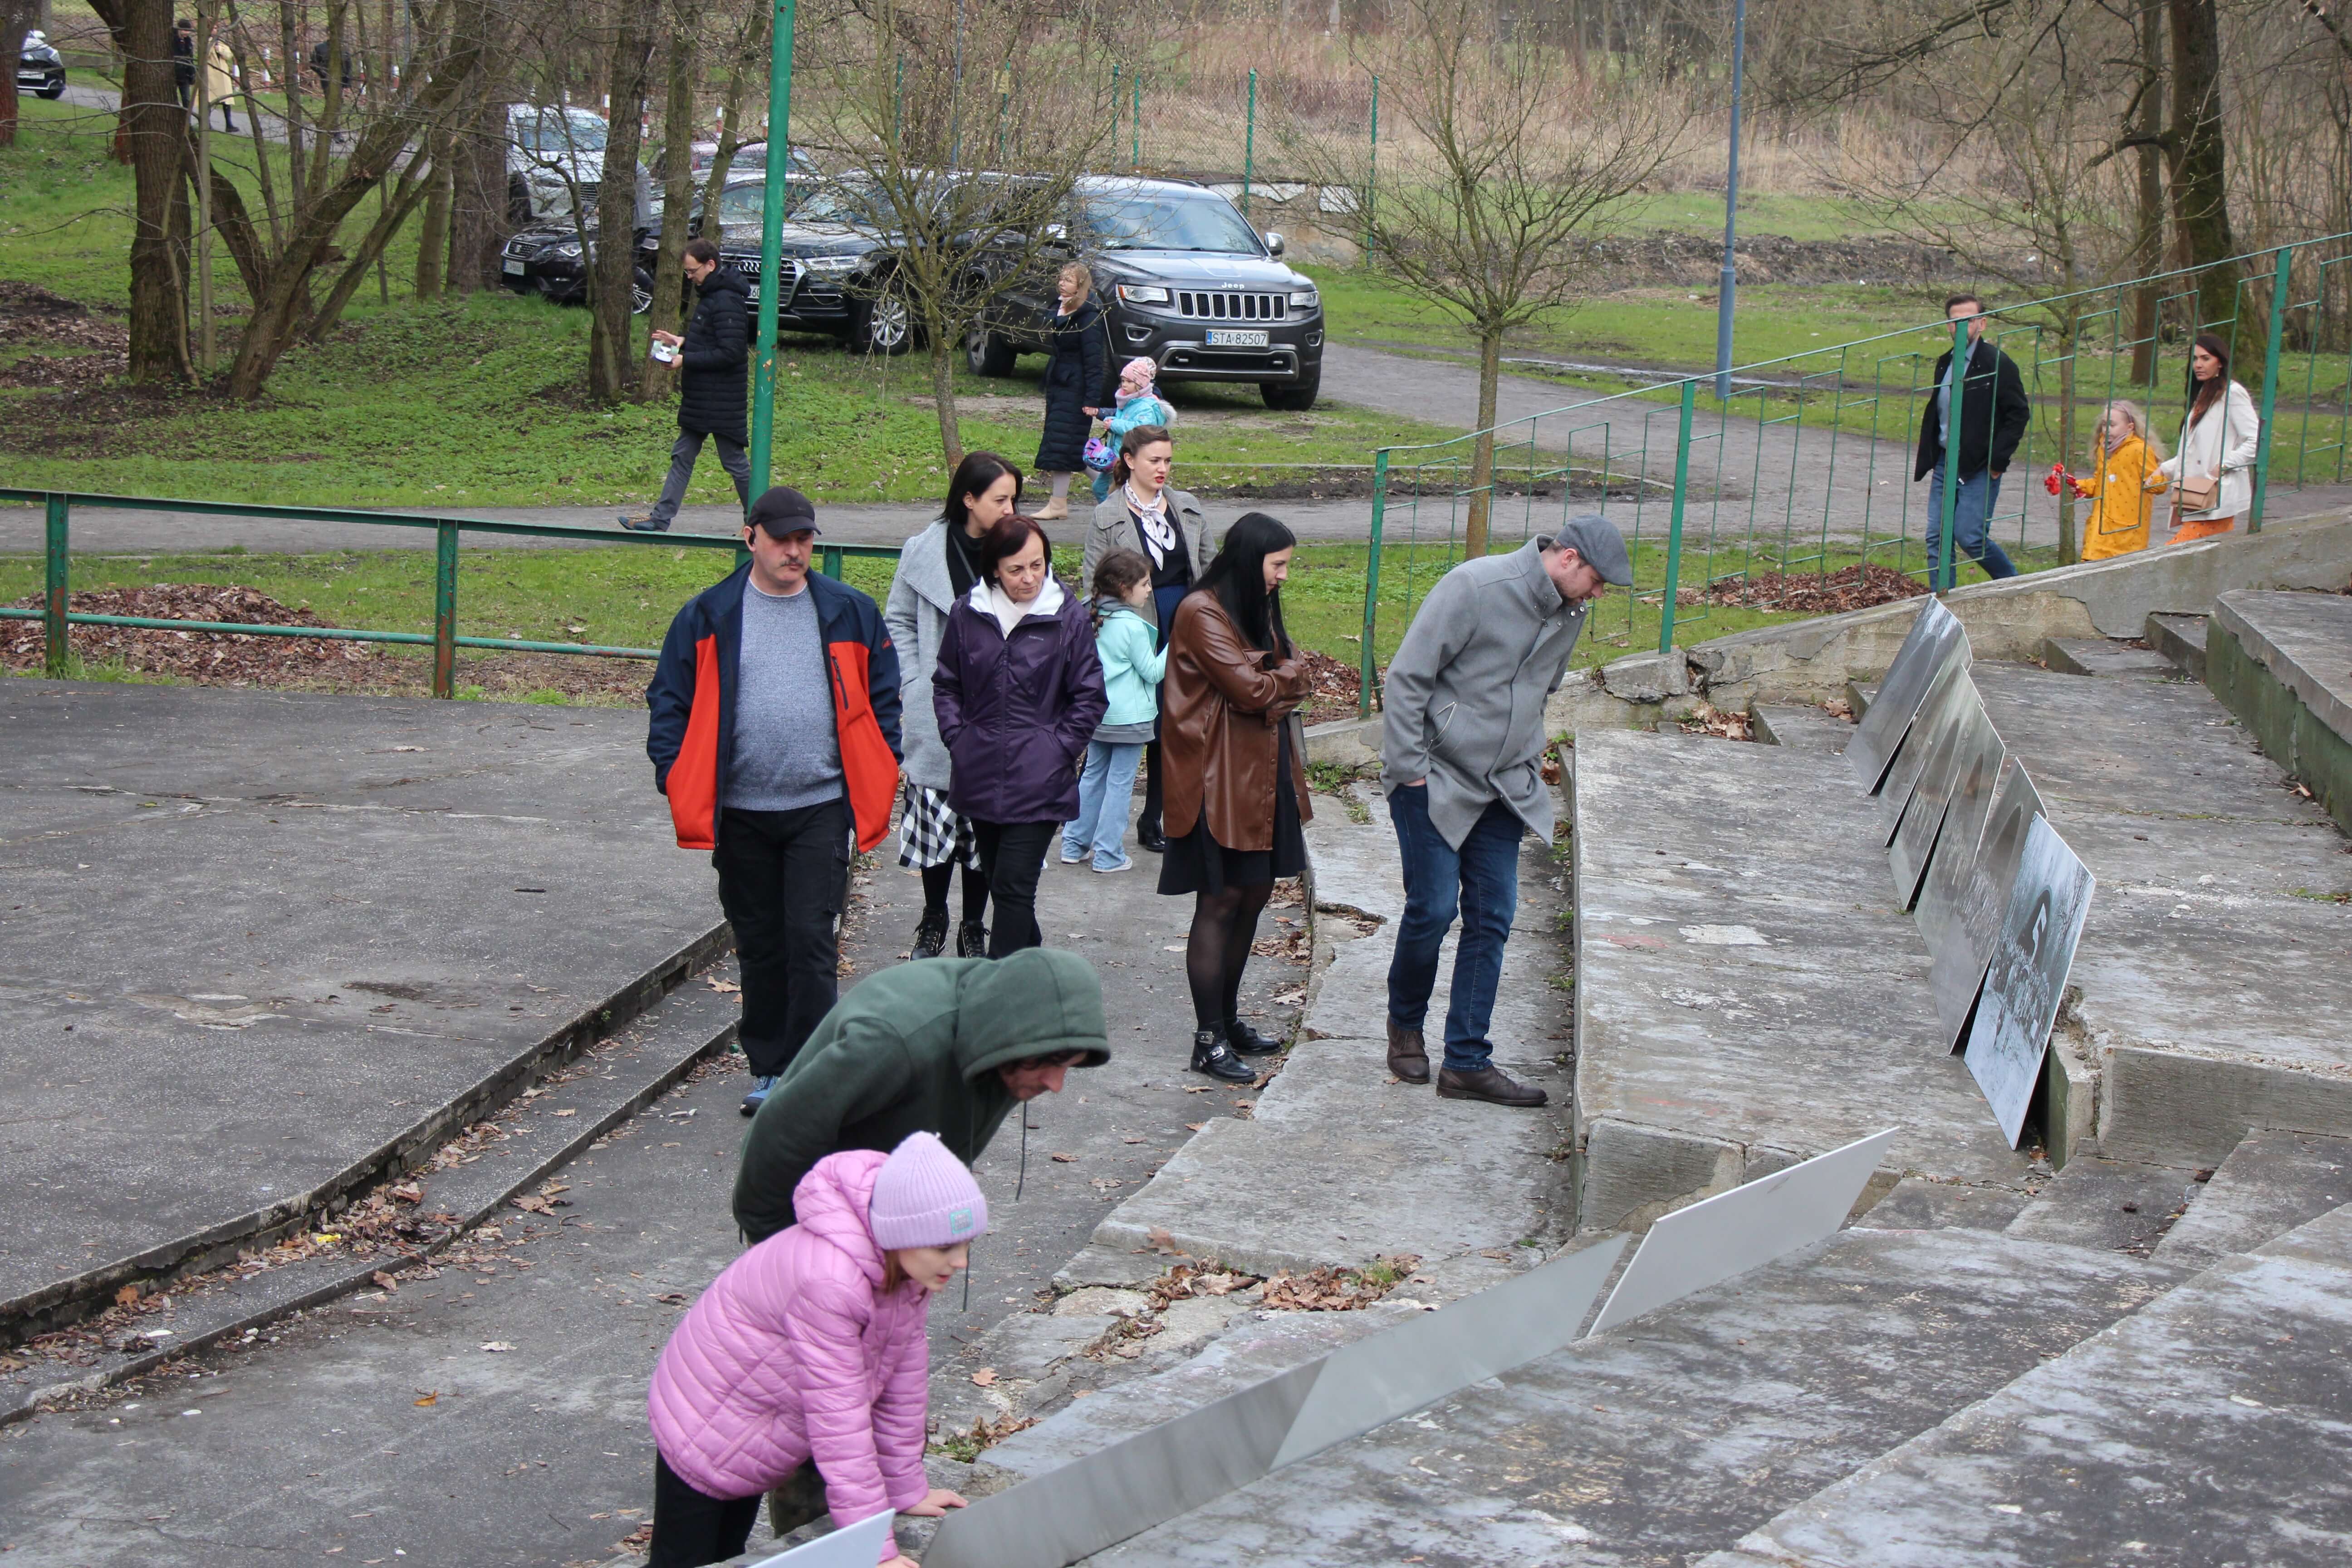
{"x": 1139, "y": 404}
{"x": 1125, "y": 633}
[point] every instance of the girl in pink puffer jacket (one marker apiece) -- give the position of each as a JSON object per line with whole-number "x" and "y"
{"x": 811, "y": 1347}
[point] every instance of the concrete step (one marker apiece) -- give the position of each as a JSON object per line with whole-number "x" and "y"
{"x": 2270, "y": 1183}
{"x": 2115, "y": 1206}
{"x": 2212, "y": 1426}
{"x": 2181, "y": 638}
{"x": 2100, "y": 656}
{"x": 1799, "y": 726}
{"x": 2283, "y": 664}
{"x": 1663, "y": 1439}
{"x": 1859, "y": 696}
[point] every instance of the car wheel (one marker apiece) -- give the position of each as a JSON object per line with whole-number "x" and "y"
{"x": 641, "y": 291}
{"x": 882, "y": 326}
{"x": 987, "y": 352}
{"x": 54, "y": 91}
{"x": 1293, "y": 397}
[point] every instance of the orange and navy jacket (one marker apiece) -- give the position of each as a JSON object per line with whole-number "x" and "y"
{"x": 692, "y": 732}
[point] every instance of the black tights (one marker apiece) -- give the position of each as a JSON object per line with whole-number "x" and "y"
{"x": 1223, "y": 926}
{"x": 935, "y": 890}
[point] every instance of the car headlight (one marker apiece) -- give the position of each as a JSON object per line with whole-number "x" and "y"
{"x": 1305, "y": 299}
{"x": 569, "y": 251}
{"x": 1143, "y": 293}
{"x": 831, "y": 263}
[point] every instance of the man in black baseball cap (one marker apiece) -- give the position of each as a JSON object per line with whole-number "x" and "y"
{"x": 775, "y": 736}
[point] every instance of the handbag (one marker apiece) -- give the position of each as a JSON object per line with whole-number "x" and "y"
{"x": 2199, "y": 493}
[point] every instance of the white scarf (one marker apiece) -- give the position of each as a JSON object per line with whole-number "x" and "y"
{"x": 1158, "y": 534}
{"x": 992, "y": 600}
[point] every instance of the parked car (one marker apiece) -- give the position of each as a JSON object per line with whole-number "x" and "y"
{"x": 550, "y": 153}
{"x": 833, "y": 268}
{"x": 552, "y": 260}
{"x": 751, "y": 156}
{"x": 39, "y": 67}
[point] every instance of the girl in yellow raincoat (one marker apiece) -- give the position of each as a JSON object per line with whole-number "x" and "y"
{"x": 2123, "y": 491}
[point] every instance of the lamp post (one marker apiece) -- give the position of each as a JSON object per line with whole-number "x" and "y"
{"x": 1731, "y": 284}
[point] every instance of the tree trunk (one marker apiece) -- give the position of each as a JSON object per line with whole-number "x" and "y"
{"x": 2200, "y": 207}
{"x": 943, "y": 397}
{"x": 1482, "y": 450}
{"x": 658, "y": 381}
{"x": 433, "y": 238}
{"x": 16, "y": 17}
{"x": 155, "y": 125}
{"x": 395, "y": 211}
{"x": 611, "y": 367}
{"x": 478, "y": 196}
{"x": 2148, "y": 250}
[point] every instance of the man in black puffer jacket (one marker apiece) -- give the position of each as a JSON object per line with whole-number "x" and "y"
{"x": 712, "y": 358}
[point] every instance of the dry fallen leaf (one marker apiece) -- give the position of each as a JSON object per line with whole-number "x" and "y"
{"x": 127, "y": 1294}
{"x": 496, "y": 1345}
{"x": 724, "y": 987}
{"x": 535, "y": 1205}
{"x": 386, "y": 1280}
{"x": 1196, "y": 1126}
{"x": 1164, "y": 1243}
{"x": 1066, "y": 1159}
{"x": 428, "y": 1399}
{"x": 408, "y": 1193}
{"x": 1130, "y": 1140}
{"x": 1199, "y": 1087}
{"x": 985, "y": 1376}
{"x": 567, "y": 1110}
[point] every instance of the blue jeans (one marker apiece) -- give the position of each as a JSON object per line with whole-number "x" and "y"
{"x": 1104, "y": 788}
{"x": 1978, "y": 493}
{"x": 1480, "y": 882}
{"x": 1102, "y": 484}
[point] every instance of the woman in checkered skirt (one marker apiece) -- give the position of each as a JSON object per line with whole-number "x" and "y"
{"x": 937, "y": 567}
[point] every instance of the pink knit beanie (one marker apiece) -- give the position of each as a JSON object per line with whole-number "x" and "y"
{"x": 923, "y": 1196}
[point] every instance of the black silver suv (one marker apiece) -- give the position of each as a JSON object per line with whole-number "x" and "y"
{"x": 1185, "y": 280}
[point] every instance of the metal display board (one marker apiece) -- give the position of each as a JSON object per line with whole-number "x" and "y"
{"x": 1967, "y": 738}
{"x": 1900, "y": 692}
{"x": 1958, "y": 968}
{"x": 1421, "y": 1362}
{"x": 856, "y": 1545}
{"x": 2047, "y": 903}
{"x": 1744, "y": 1229}
{"x": 1918, "y": 745}
{"x": 1953, "y": 864}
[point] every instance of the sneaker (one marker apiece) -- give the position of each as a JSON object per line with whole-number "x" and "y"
{"x": 971, "y": 940}
{"x": 1078, "y": 859}
{"x": 931, "y": 936}
{"x": 642, "y": 524}
{"x": 759, "y": 1095}
{"x": 1114, "y": 866}
{"x": 1211, "y": 1056}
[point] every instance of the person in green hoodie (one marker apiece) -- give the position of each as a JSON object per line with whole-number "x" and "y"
{"x": 945, "y": 1047}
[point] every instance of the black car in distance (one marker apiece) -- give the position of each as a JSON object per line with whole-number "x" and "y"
{"x": 1184, "y": 280}
{"x": 39, "y": 67}
{"x": 550, "y": 259}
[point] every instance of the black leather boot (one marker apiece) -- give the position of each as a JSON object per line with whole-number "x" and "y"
{"x": 1247, "y": 1041}
{"x": 971, "y": 940}
{"x": 1211, "y": 1055}
{"x": 931, "y": 936}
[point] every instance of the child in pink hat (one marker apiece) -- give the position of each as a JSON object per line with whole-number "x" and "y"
{"x": 811, "y": 1347}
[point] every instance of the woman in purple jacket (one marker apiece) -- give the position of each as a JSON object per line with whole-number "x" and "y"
{"x": 1018, "y": 692}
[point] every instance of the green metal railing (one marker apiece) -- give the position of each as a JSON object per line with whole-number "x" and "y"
{"x": 445, "y": 639}
{"x": 1807, "y": 467}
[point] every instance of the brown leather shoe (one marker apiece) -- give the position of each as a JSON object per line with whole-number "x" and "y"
{"x": 1492, "y": 1085}
{"x": 1407, "y": 1057}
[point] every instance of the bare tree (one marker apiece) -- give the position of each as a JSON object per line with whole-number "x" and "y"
{"x": 17, "y": 19}
{"x": 612, "y": 262}
{"x": 1503, "y": 174}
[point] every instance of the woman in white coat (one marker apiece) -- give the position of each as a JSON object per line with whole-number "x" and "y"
{"x": 2212, "y": 472}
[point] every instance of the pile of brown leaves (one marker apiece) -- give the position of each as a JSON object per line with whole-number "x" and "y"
{"x": 1329, "y": 1289}
{"x": 33, "y": 318}
{"x": 208, "y": 658}
{"x": 1811, "y": 593}
{"x": 1187, "y": 1280}
{"x": 1709, "y": 720}
{"x": 1333, "y": 688}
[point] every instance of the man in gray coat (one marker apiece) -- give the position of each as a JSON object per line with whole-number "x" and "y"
{"x": 1462, "y": 754}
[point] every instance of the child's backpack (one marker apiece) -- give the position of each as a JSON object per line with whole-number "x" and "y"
{"x": 1100, "y": 453}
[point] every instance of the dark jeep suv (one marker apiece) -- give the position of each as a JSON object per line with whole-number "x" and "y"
{"x": 1185, "y": 280}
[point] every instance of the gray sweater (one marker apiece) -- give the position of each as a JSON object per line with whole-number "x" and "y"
{"x": 1464, "y": 696}
{"x": 787, "y": 755}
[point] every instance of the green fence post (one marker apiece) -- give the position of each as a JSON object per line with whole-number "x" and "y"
{"x": 53, "y": 604}
{"x": 1366, "y": 662}
{"x": 1372, "y": 172}
{"x": 445, "y": 609}
{"x": 772, "y": 245}
{"x": 2280, "y": 276}
{"x": 832, "y": 565}
{"x": 1135, "y": 124}
{"x": 1943, "y": 557}
{"x": 1249, "y": 142}
{"x": 1675, "y": 523}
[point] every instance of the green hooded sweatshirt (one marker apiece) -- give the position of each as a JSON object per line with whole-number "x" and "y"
{"x": 915, "y": 1049}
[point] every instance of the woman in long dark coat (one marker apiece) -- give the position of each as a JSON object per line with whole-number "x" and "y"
{"x": 1074, "y": 385}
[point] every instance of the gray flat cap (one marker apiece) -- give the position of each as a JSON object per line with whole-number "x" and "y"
{"x": 1596, "y": 539}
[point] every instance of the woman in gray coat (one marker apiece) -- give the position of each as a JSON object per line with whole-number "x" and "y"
{"x": 936, "y": 568}
{"x": 1165, "y": 526}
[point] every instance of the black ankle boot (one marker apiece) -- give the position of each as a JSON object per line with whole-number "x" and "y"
{"x": 971, "y": 940}
{"x": 1248, "y": 1041}
{"x": 931, "y": 936}
{"x": 1211, "y": 1055}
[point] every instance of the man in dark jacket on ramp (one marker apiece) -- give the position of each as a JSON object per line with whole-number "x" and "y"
{"x": 947, "y": 1046}
{"x": 713, "y": 359}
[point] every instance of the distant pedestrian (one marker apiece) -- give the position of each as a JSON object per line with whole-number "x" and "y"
{"x": 936, "y": 568}
{"x": 712, "y": 358}
{"x": 1079, "y": 342}
{"x": 1147, "y": 514}
{"x": 2218, "y": 443}
{"x": 775, "y": 735}
{"x": 2122, "y": 493}
{"x": 1139, "y": 404}
{"x": 183, "y": 59}
{"x": 1977, "y": 434}
{"x": 220, "y": 80}
{"x": 1126, "y": 642}
{"x": 1018, "y": 692}
{"x": 1462, "y": 760}
{"x": 1236, "y": 777}
{"x": 809, "y": 1353}
{"x": 947, "y": 1047}
{"x": 327, "y": 59}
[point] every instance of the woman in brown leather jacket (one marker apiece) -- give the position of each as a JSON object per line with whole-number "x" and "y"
{"x": 1236, "y": 792}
